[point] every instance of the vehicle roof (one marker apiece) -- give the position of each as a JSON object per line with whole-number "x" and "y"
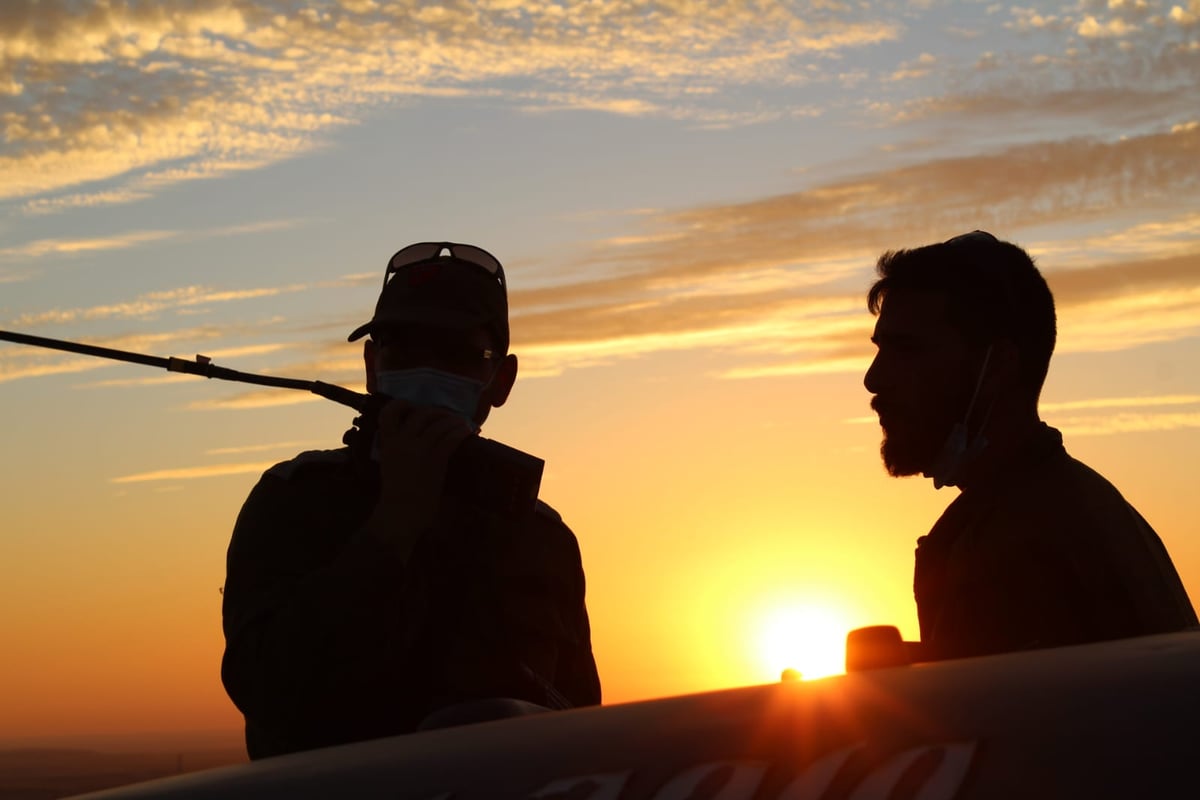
{"x": 1116, "y": 719}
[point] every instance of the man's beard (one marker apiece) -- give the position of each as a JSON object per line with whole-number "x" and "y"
{"x": 912, "y": 440}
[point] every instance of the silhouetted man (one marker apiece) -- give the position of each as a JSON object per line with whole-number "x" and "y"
{"x": 366, "y": 594}
{"x": 1038, "y": 550}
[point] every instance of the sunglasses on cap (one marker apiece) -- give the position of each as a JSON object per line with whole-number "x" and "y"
{"x": 426, "y": 252}
{"x": 974, "y": 237}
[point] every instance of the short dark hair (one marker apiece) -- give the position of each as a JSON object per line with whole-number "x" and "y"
{"x": 993, "y": 291}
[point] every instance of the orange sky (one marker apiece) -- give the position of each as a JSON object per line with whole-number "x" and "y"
{"x": 688, "y": 208}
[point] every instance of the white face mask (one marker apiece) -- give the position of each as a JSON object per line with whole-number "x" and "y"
{"x": 424, "y": 386}
{"x": 957, "y": 451}
{"x": 955, "y": 454}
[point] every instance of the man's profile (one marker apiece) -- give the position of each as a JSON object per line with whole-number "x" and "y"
{"x": 367, "y": 594}
{"x": 1038, "y": 550}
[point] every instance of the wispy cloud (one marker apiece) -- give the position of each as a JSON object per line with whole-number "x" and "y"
{"x": 42, "y": 248}
{"x": 778, "y": 281}
{"x": 192, "y": 473}
{"x": 1172, "y": 236}
{"x": 112, "y": 104}
{"x": 46, "y": 247}
{"x": 262, "y": 448}
{"x": 1111, "y": 65}
{"x": 265, "y": 398}
{"x": 53, "y": 205}
{"x": 234, "y": 84}
{"x": 39, "y": 368}
{"x": 1126, "y": 423}
{"x": 152, "y": 304}
{"x": 160, "y": 380}
{"x": 790, "y": 270}
{"x": 1136, "y": 316}
{"x": 1121, "y": 402}
{"x": 1107, "y": 416}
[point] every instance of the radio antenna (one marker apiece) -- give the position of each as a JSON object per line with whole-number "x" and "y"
{"x": 201, "y": 365}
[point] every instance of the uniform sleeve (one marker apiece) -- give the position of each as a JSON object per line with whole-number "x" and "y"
{"x": 546, "y": 599}
{"x": 577, "y": 677}
{"x": 313, "y": 642}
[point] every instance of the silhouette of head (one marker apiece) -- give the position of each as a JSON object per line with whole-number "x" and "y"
{"x": 445, "y": 286}
{"x": 944, "y": 312}
{"x": 443, "y": 307}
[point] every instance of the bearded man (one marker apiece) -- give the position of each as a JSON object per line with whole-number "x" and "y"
{"x": 1038, "y": 550}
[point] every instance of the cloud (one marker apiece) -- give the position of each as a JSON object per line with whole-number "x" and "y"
{"x": 1186, "y": 17}
{"x": 1026, "y": 19}
{"x": 1024, "y": 186}
{"x": 191, "y": 473}
{"x": 151, "y": 305}
{"x": 1168, "y": 237}
{"x": 11, "y": 369}
{"x": 1110, "y": 285}
{"x": 920, "y": 67}
{"x": 1132, "y": 319}
{"x": 57, "y": 247}
{"x": 111, "y": 105}
{"x": 160, "y": 380}
{"x": 54, "y": 205}
{"x": 776, "y": 283}
{"x": 266, "y": 398}
{"x": 1115, "y": 105}
{"x": 1145, "y": 414}
{"x": 1116, "y": 65}
{"x": 43, "y": 248}
{"x": 1091, "y": 28}
{"x": 1122, "y": 402}
{"x": 1126, "y": 423}
{"x": 773, "y": 270}
{"x": 149, "y": 94}
{"x": 260, "y": 448}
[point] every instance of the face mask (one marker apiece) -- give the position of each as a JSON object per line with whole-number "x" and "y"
{"x": 957, "y": 452}
{"x": 431, "y": 387}
{"x": 954, "y": 455}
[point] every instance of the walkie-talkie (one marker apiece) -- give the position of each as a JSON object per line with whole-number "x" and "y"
{"x": 484, "y": 472}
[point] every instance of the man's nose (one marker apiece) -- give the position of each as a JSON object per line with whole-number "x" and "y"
{"x": 871, "y": 379}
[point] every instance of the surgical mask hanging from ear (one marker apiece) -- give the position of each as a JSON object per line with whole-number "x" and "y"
{"x": 424, "y": 386}
{"x": 957, "y": 452}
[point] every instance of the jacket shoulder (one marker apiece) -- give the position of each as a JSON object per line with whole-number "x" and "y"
{"x": 309, "y": 461}
{"x": 546, "y": 512}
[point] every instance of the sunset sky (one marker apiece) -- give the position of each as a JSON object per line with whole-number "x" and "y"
{"x": 688, "y": 198}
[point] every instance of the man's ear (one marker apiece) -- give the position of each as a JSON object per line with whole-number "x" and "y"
{"x": 370, "y": 355}
{"x": 503, "y": 380}
{"x": 1004, "y": 365}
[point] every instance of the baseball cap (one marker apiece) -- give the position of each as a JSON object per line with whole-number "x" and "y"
{"x": 443, "y": 285}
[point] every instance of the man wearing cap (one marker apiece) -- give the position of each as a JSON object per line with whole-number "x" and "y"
{"x": 1037, "y": 550}
{"x": 367, "y": 593}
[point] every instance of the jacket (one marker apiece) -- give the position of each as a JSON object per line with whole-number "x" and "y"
{"x": 331, "y": 638}
{"x": 1044, "y": 552}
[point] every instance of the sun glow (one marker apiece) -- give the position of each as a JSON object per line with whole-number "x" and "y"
{"x": 808, "y": 639}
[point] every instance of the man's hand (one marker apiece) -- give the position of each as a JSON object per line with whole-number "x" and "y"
{"x": 415, "y": 444}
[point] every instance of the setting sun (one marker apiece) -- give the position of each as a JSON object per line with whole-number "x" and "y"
{"x": 808, "y": 639}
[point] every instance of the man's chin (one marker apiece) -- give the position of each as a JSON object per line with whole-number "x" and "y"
{"x": 901, "y": 462}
